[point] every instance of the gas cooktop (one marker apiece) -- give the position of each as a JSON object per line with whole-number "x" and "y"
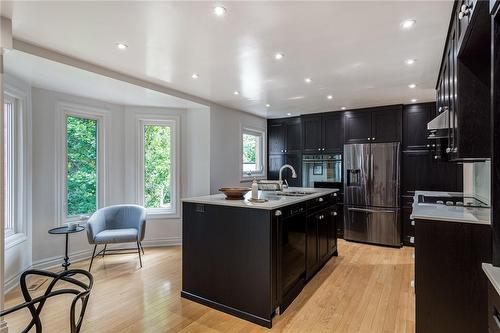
{"x": 459, "y": 200}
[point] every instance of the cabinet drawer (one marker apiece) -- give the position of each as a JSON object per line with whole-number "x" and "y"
{"x": 493, "y": 310}
{"x": 318, "y": 202}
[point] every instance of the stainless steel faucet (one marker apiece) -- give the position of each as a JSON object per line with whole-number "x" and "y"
{"x": 294, "y": 174}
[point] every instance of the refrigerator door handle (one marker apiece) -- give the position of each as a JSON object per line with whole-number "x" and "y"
{"x": 367, "y": 210}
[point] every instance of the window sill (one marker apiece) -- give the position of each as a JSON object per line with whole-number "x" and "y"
{"x": 246, "y": 179}
{"x": 14, "y": 240}
{"x": 152, "y": 214}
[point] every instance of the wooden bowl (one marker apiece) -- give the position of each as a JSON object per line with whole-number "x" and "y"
{"x": 235, "y": 193}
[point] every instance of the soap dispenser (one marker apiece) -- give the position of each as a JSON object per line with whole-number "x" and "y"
{"x": 255, "y": 189}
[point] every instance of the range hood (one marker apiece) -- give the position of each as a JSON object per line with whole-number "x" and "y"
{"x": 438, "y": 127}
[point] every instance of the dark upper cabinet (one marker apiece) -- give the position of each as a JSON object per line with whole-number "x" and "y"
{"x": 274, "y": 165}
{"x": 294, "y": 160}
{"x": 323, "y": 133}
{"x": 276, "y": 136}
{"x": 464, "y": 83}
{"x": 293, "y": 134}
{"x": 415, "y": 119}
{"x": 421, "y": 171}
{"x": 357, "y": 126}
{"x": 312, "y": 128}
{"x": 381, "y": 124}
{"x": 284, "y": 135}
{"x": 333, "y": 131}
{"x": 276, "y": 161}
{"x": 386, "y": 124}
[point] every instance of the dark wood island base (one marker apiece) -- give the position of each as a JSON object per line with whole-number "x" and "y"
{"x": 252, "y": 262}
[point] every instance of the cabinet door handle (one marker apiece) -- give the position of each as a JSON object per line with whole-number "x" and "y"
{"x": 278, "y": 213}
{"x": 412, "y": 222}
{"x": 412, "y": 240}
{"x": 369, "y": 139}
{"x": 323, "y": 149}
{"x": 373, "y": 139}
{"x": 319, "y": 149}
{"x": 412, "y": 284}
{"x": 428, "y": 146}
{"x": 334, "y": 194}
{"x": 334, "y": 213}
{"x": 320, "y": 200}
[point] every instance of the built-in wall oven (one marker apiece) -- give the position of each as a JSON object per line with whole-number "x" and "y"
{"x": 321, "y": 169}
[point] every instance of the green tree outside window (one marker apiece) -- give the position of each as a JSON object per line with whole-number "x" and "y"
{"x": 81, "y": 165}
{"x": 157, "y": 166}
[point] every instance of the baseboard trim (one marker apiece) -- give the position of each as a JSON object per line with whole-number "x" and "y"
{"x": 266, "y": 322}
{"x": 56, "y": 261}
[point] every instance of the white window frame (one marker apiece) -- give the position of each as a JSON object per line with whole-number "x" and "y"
{"x": 260, "y": 174}
{"x": 22, "y": 165}
{"x": 12, "y": 177}
{"x": 173, "y": 123}
{"x": 102, "y": 118}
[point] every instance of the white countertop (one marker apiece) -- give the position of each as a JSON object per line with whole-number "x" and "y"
{"x": 438, "y": 212}
{"x": 493, "y": 274}
{"x": 274, "y": 201}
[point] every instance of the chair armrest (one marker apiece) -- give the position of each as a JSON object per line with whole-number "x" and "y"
{"x": 141, "y": 229}
{"x": 95, "y": 224}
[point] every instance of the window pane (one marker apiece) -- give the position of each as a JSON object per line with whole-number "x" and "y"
{"x": 9, "y": 167}
{"x": 81, "y": 168}
{"x": 251, "y": 150}
{"x": 157, "y": 166}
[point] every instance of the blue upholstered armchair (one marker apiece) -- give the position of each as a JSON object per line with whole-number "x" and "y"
{"x": 117, "y": 224}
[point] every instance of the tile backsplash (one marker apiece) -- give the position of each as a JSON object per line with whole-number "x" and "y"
{"x": 477, "y": 180}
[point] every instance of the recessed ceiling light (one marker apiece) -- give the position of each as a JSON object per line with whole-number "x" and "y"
{"x": 268, "y": 105}
{"x": 236, "y": 92}
{"x": 410, "y": 61}
{"x": 121, "y": 46}
{"x": 308, "y": 80}
{"x": 414, "y": 100}
{"x": 195, "y": 76}
{"x": 329, "y": 96}
{"x": 412, "y": 85}
{"x": 219, "y": 11}
{"x": 407, "y": 24}
{"x": 288, "y": 114}
{"x": 343, "y": 108}
{"x": 279, "y": 56}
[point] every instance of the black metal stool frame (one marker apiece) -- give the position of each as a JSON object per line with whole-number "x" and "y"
{"x": 31, "y": 303}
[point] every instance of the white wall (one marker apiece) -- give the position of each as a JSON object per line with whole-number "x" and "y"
{"x": 225, "y": 162}
{"x": 194, "y": 131}
{"x": 48, "y": 249}
{"x": 210, "y": 157}
{"x": 18, "y": 254}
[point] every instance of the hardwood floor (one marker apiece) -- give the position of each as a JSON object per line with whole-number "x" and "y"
{"x": 365, "y": 289}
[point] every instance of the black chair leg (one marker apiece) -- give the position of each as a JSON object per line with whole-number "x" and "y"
{"x": 139, "y": 252}
{"x": 142, "y": 248}
{"x": 104, "y": 251}
{"x": 93, "y": 255}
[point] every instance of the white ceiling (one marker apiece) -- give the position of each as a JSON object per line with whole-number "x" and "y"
{"x": 352, "y": 50}
{"x": 43, "y": 73}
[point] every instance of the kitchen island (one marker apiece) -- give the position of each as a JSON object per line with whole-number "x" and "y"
{"x": 252, "y": 259}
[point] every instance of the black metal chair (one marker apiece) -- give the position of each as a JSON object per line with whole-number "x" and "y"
{"x": 35, "y": 305}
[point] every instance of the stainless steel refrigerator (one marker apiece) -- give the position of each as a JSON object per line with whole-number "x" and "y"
{"x": 371, "y": 193}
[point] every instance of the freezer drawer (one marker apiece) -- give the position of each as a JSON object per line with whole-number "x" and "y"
{"x": 372, "y": 225}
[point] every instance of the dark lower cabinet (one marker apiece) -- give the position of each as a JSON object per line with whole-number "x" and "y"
{"x": 493, "y": 309}
{"x": 450, "y": 286}
{"x": 321, "y": 239}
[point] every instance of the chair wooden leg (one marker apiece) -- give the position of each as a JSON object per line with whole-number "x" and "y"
{"x": 104, "y": 251}
{"x": 139, "y": 252}
{"x": 93, "y": 255}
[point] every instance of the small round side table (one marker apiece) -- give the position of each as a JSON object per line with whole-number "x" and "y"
{"x": 65, "y": 231}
